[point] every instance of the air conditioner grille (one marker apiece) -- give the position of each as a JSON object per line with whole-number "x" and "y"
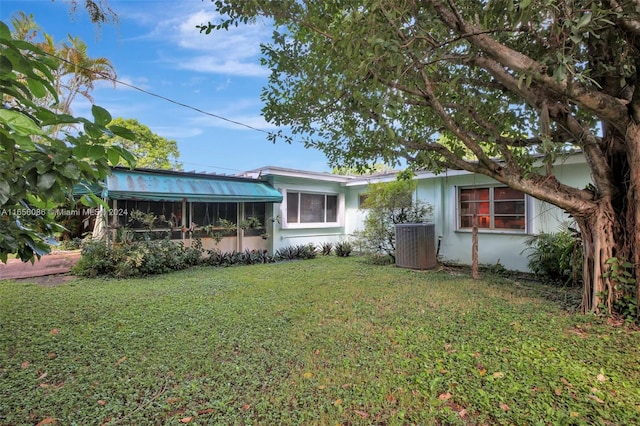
{"x": 416, "y": 246}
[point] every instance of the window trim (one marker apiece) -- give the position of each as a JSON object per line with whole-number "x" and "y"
{"x": 491, "y": 188}
{"x": 285, "y": 224}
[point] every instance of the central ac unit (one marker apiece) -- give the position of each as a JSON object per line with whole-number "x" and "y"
{"x": 416, "y": 245}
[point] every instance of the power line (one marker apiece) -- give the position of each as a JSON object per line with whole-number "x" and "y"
{"x": 164, "y": 98}
{"x": 187, "y": 106}
{"x": 132, "y": 86}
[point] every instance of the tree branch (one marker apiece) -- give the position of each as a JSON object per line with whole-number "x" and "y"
{"x": 631, "y": 26}
{"x": 607, "y": 107}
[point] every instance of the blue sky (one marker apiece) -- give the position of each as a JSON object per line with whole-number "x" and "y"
{"x": 156, "y": 47}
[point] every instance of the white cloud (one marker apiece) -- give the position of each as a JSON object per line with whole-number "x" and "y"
{"x": 140, "y": 81}
{"x": 232, "y": 52}
{"x": 177, "y": 132}
{"x": 230, "y": 66}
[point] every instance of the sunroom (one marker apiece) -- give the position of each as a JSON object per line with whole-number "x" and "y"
{"x": 225, "y": 212}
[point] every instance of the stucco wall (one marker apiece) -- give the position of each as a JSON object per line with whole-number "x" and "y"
{"x": 281, "y": 237}
{"x": 505, "y": 247}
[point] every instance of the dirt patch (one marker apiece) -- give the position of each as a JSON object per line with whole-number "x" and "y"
{"x": 47, "y": 280}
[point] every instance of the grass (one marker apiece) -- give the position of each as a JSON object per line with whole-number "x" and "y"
{"x": 325, "y": 341}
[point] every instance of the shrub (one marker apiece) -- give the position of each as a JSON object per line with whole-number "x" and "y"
{"x": 72, "y": 244}
{"x": 556, "y": 256}
{"x": 389, "y": 204}
{"x": 248, "y": 257}
{"x": 193, "y": 253}
{"x": 343, "y": 249}
{"x": 307, "y": 251}
{"x": 302, "y": 251}
{"x": 98, "y": 258}
{"x": 136, "y": 259}
{"x": 326, "y": 249}
{"x": 287, "y": 253}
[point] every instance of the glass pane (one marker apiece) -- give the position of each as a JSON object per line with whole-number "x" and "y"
{"x": 332, "y": 208}
{"x": 257, "y": 211}
{"x": 292, "y": 207}
{"x": 475, "y": 207}
{"x": 507, "y": 194}
{"x": 311, "y": 208}
{"x": 362, "y": 198}
{"x": 509, "y": 222}
{"x": 211, "y": 213}
{"x": 474, "y": 194}
{"x": 484, "y": 222}
{"x": 509, "y": 207}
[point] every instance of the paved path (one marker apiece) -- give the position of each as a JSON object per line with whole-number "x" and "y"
{"x": 51, "y": 264}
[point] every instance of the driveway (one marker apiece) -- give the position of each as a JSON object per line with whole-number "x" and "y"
{"x": 59, "y": 262}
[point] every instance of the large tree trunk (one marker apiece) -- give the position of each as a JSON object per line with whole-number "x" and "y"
{"x": 611, "y": 227}
{"x": 599, "y": 245}
{"x": 633, "y": 202}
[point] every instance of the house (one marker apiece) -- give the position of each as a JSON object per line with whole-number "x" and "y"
{"x": 322, "y": 207}
{"x": 292, "y": 207}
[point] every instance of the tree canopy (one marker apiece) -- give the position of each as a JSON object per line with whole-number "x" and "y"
{"x": 495, "y": 87}
{"x": 38, "y": 170}
{"x": 151, "y": 150}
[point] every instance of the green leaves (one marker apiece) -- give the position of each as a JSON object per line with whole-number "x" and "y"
{"x": 101, "y": 115}
{"x": 5, "y": 192}
{"x": 19, "y": 123}
{"x": 41, "y": 157}
{"x": 46, "y": 181}
{"x": 146, "y": 148}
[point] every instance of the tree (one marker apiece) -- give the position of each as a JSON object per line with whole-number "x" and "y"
{"x": 355, "y": 171}
{"x": 389, "y": 204}
{"x": 38, "y": 171}
{"x": 490, "y": 87}
{"x": 75, "y": 73}
{"x": 151, "y": 150}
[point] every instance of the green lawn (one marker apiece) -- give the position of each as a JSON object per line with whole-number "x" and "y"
{"x": 326, "y": 341}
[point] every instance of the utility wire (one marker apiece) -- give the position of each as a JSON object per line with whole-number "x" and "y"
{"x": 115, "y": 80}
{"x": 187, "y": 106}
{"x": 164, "y": 98}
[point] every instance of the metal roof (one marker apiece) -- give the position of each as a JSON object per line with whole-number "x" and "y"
{"x": 158, "y": 185}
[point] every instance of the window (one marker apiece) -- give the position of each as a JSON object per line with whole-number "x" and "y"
{"x": 210, "y": 214}
{"x": 203, "y": 214}
{"x": 159, "y": 219}
{"x": 362, "y": 198}
{"x": 498, "y": 208}
{"x": 164, "y": 214}
{"x": 311, "y": 208}
{"x": 256, "y": 211}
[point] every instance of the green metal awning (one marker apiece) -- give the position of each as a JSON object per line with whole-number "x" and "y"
{"x": 159, "y": 185}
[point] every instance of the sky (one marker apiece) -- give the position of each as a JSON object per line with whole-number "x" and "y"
{"x": 156, "y": 46}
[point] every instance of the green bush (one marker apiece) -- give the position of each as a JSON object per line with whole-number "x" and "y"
{"x": 301, "y": 251}
{"x": 98, "y": 258}
{"x": 149, "y": 257}
{"x": 71, "y": 244}
{"x": 136, "y": 259}
{"x": 248, "y": 257}
{"x": 343, "y": 249}
{"x": 326, "y": 248}
{"x": 556, "y": 256}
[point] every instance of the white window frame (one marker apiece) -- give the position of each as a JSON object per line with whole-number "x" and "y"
{"x": 285, "y": 224}
{"x": 492, "y": 229}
